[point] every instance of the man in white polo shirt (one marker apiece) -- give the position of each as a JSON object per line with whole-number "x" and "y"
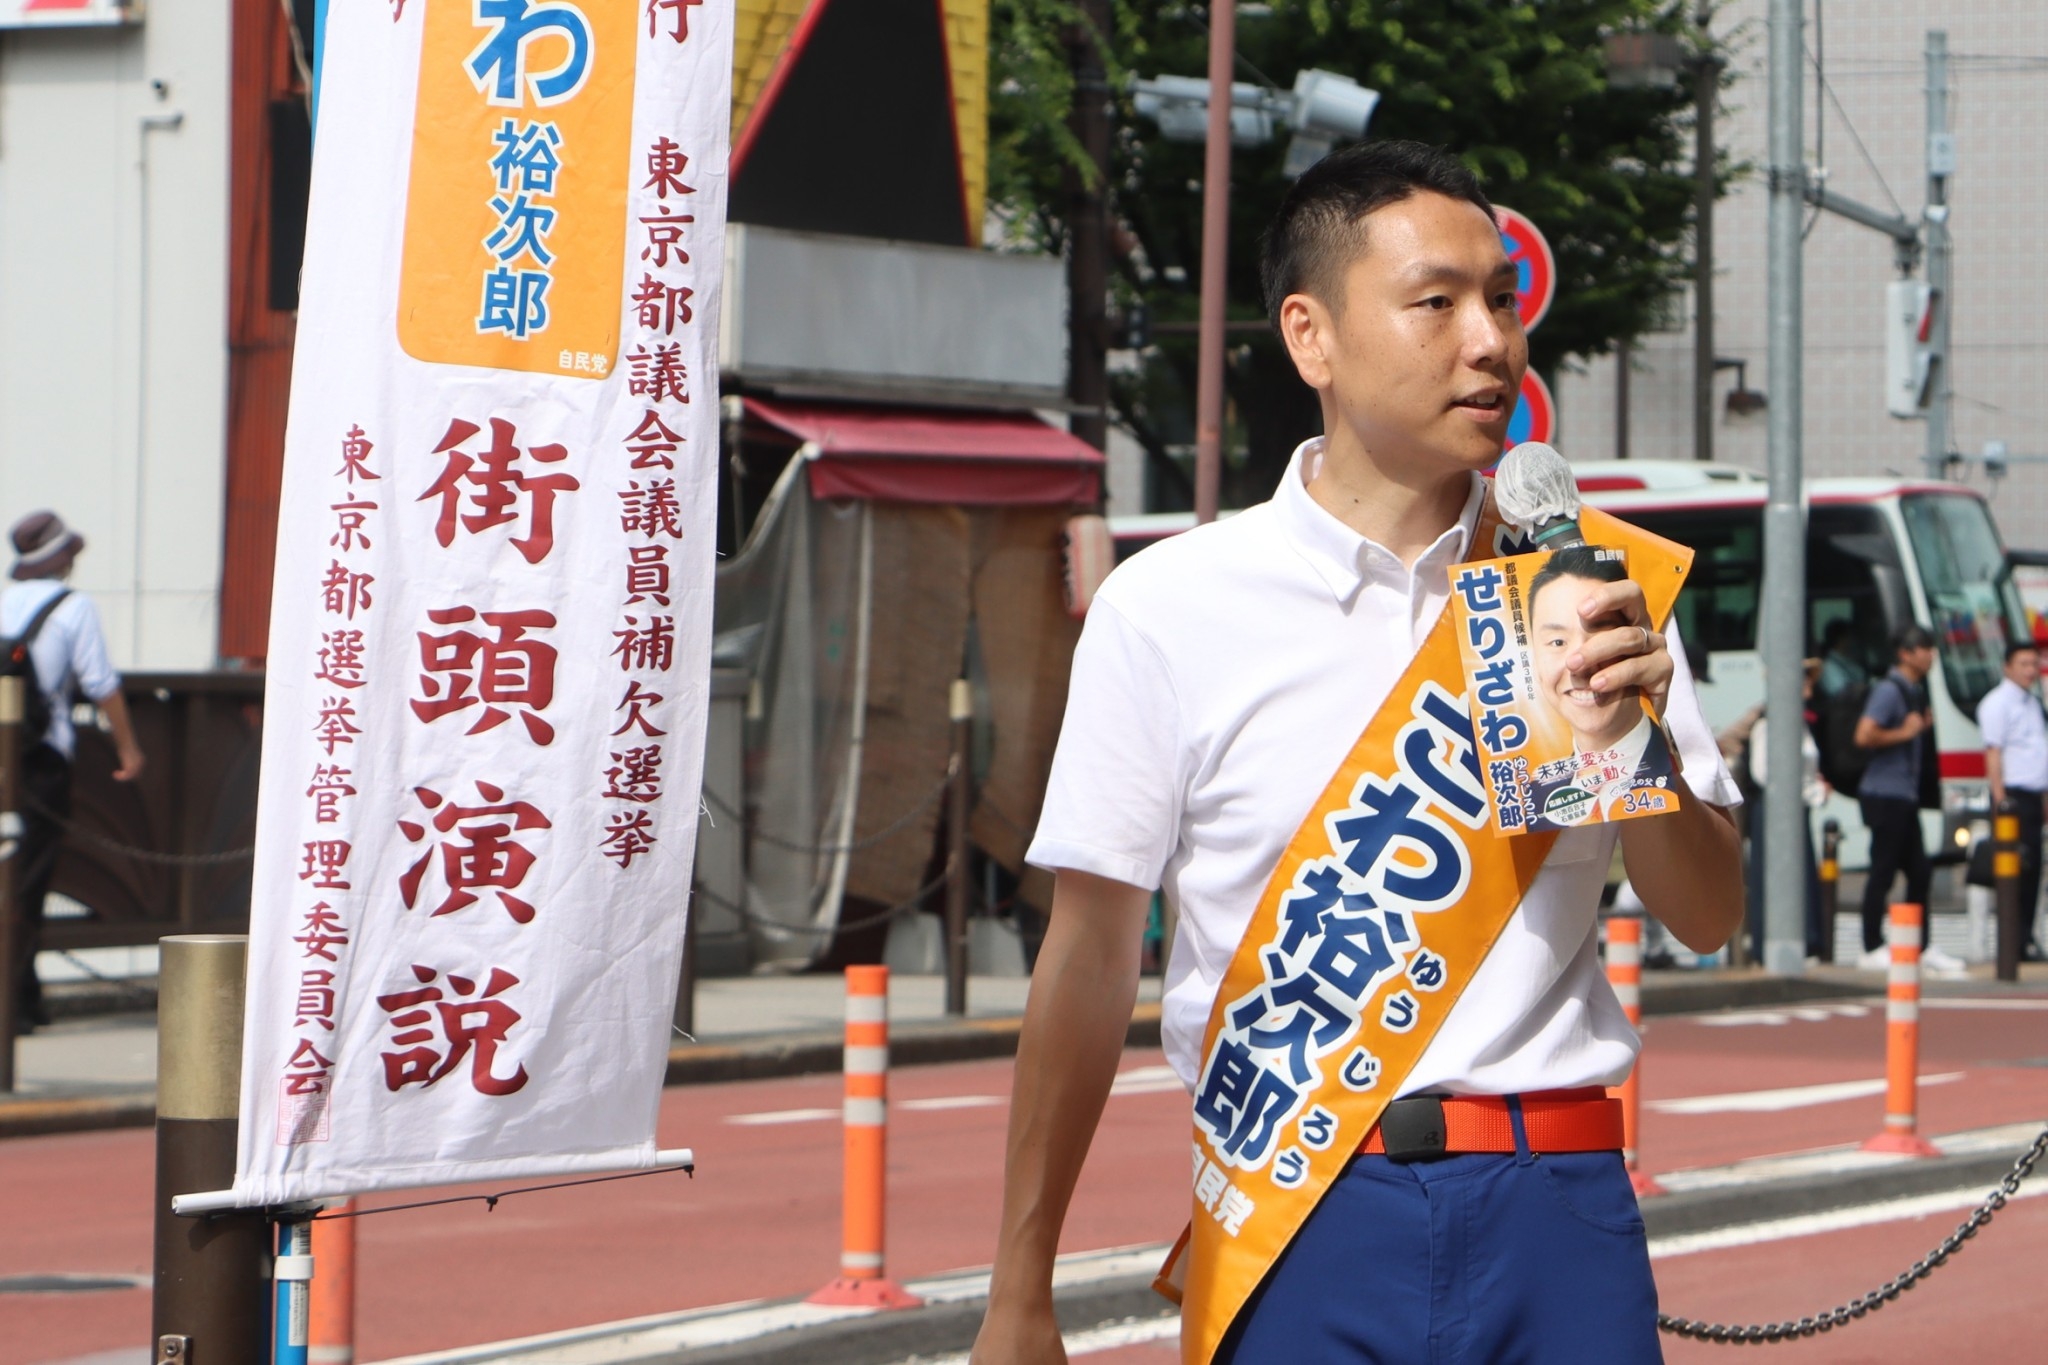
{"x": 1221, "y": 678}
{"x": 2016, "y": 762}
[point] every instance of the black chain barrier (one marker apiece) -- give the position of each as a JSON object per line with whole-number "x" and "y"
{"x": 73, "y": 830}
{"x": 896, "y": 911}
{"x": 896, "y": 826}
{"x": 1761, "y": 1332}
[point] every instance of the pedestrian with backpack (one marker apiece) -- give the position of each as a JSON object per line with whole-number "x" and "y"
{"x": 50, "y": 637}
{"x": 1897, "y": 730}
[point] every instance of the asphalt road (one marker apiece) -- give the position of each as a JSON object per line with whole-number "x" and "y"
{"x": 761, "y": 1218}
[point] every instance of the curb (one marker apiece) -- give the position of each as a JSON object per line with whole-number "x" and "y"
{"x": 77, "y": 1114}
{"x": 1687, "y": 1211}
{"x": 948, "y": 1327}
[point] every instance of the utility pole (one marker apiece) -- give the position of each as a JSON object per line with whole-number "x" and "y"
{"x": 1215, "y": 261}
{"x": 1941, "y": 164}
{"x": 1784, "y": 612}
{"x": 1706, "y": 83}
{"x": 1088, "y": 232}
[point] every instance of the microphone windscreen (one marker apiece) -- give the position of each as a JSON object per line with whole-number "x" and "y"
{"x": 1533, "y": 486}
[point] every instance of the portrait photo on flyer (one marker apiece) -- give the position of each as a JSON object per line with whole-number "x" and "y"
{"x": 1555, "y": 753}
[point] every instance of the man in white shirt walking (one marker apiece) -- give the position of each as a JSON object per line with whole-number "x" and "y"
{"x": 1218, "y": 683}
{"x": 2016, "y": 760}
{"x": 69, "y": 654}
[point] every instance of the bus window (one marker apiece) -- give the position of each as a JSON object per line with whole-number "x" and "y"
{"x": 1717, "y": 608}
{"x": 1969, "y": 591}
{"x": 1853, "y": 576}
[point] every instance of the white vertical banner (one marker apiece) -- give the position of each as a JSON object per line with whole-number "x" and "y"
{"x": 491, "y": 620}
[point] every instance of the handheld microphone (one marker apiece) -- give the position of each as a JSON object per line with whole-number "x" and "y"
{"x": 1535, "y": 491}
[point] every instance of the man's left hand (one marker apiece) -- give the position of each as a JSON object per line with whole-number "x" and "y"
{"x": 1625, "y": 652}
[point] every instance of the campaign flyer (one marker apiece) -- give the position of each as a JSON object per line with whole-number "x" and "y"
{"x": 1554, "y": 754}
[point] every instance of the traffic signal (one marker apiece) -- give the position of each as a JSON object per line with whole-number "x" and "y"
{"x": 1912, "y": 366}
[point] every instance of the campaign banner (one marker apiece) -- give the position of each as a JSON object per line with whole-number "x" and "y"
{"x": 1554, "y": 753}
{"x": 490, "y": 624}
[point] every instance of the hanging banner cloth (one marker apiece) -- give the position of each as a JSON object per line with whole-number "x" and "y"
{"x": 1383, "y": 906}
{"x": 490, "y": 624}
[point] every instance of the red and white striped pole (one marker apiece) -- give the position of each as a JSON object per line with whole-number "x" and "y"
{"x": 1625, "y": 975}
{"x": 861, "y": 1281}
{"x": 1902, "y": 1041}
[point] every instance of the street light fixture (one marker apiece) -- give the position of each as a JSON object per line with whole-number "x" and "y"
{"x": 1323, "y": 109}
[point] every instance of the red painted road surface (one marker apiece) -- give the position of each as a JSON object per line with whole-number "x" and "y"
{"x": 761, "y": 1220}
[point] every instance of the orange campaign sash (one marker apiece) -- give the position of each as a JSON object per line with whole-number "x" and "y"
{"x": 1386, "y": 900}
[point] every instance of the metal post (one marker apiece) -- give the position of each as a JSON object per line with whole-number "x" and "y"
{"x": 13, "y": 933}
{"x": 212, "y": 1273}
{"x": 962, "y": 709}
{"x": 1706, "y": 81}
{"x": 1940, "y": 253}
{"x": 1088, "y": 232}
{"x": 685, "y": 1015}
{"x": 1215, "y": 261}
{"x": 1624, "y": 362}
{"x": 1784, "y": 513}
{"x": 1830, "y": 884}
{"x": 2005, "y": 871}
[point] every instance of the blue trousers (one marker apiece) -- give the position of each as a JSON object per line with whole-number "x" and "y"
{"x": 1469, "y": 1260}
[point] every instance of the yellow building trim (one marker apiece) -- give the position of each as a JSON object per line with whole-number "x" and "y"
{"x": 967, "y": 56}
{"x": 761, "y": 33}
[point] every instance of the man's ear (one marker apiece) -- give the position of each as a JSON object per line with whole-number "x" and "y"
{"x": 1308, "y": 331}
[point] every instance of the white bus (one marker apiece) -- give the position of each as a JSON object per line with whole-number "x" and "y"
{"x": 1880, "y": 554}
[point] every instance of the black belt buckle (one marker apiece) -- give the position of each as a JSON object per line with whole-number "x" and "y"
{"x": 1413, "y": 1129}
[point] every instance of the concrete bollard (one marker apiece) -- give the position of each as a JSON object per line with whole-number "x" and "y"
{"x": 212, "y": 1291}
{"x": 1902, "y": 1041}
{"x": 1625, "y": 974}
{"x": 862, "y": 1281}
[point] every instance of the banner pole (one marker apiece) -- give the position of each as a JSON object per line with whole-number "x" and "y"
{"x": 212, "y": 1274}
{"x": 961, "y": 707}
{"x": 294, "y": 1275}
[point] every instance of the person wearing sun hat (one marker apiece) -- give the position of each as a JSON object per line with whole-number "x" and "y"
{"x": 69, "y": 652}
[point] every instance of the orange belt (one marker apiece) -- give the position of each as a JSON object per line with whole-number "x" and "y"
{"x": 1421, "y": 1127}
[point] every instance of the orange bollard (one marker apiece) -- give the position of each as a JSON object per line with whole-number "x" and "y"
{"x": 1902, "y": 1041}
{"x": 1625, "y": 974}
{"x": 861, "y": 1281}
{"x": 332, "y": 1334}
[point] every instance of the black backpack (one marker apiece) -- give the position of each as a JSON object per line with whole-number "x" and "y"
{"x": 17, "y": 662}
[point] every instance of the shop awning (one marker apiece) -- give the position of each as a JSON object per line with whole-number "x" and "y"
{"x": 937, "y": 455}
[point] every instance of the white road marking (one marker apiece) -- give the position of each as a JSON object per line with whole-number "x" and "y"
{"x": 1790, "y": 1097}
{"x": 1804, "y": 1014}
{"x": 1964, "y": 1002}
{"x": 1139, "y": 1080}
{"x": 953, "y": 1102}
{"x": 782, "y": 1116}
{"x": 1812, "y": 1224}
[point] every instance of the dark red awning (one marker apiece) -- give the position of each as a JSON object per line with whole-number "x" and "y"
{"x": 938, "y": 455}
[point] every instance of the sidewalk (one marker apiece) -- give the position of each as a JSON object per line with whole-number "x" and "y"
{"x": 94, "y": 1072}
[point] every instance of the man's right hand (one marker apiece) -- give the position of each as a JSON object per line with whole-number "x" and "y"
{"x": 1019, "y": 1336}
{"x": 1083, "y": 986}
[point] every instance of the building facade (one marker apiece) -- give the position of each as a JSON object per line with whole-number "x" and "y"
{"x": 1871, "y": 56}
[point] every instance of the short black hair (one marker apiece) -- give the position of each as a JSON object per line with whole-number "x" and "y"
{"x": 1911, "y": 637}
{"x": 2021, "y": 647}
{"x": 1837, "y": 630}
{"x": 1320, "y": 226}
{"x": 1576, "y": 561}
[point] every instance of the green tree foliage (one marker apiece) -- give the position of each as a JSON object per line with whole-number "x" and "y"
{"x": 1519, "y": 89}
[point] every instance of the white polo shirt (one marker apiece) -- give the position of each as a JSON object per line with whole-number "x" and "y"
{"x": 1220, "y": 679}
{"x": 2011, "y": 721}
